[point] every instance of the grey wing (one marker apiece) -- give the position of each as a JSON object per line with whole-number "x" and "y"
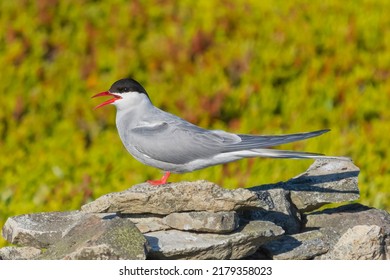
{"x": 180, "y": 142}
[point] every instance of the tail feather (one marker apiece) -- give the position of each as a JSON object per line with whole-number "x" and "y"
{"x": 262, "y": 141}
{"x": 249, "y": 142}
{"x": 271, "y": 153}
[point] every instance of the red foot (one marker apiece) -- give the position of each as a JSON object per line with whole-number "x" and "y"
{"x": 162, "y": 181}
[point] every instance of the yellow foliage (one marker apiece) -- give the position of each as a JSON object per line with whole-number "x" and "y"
{"x": 244, "y": 66}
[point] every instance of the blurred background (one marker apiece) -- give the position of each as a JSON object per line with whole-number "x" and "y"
{"x": 261, "y": 67}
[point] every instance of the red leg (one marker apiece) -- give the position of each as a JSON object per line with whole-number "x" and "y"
{"x": 162, "y": 181}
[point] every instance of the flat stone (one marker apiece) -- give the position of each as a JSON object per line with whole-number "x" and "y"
{"x": 219, "y": 222}
{"x": 173, "y": 198}
{"x": 301, "y": 246}
{"x": 326, "y": 181}
{"x": 147, "y": 222}
{"x": 19, "y": 253}
{"x": 280, "y": 210}
{"x": 360, "y": 242}
{"x": 174, "y": 244}
{"x": 40, "y": 230}
{"x": 100, "y": 239}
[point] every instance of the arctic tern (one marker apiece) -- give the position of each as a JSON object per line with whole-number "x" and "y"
{"x": 167, "y": 142}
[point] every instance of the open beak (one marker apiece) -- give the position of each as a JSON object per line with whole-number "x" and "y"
{"x": 109, "y": 101}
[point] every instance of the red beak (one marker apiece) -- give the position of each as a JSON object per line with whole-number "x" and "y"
{"x": 109, "y": 101}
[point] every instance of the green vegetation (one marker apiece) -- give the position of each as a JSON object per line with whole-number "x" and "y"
{"x": 245, "y": 66}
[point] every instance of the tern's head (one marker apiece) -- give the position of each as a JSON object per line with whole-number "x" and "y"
{"x": 126, "y": 93}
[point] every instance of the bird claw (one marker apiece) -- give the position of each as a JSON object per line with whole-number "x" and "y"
{"x": 162, "y": 181}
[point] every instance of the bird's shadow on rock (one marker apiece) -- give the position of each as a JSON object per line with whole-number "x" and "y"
{"x": 312, "y": 183}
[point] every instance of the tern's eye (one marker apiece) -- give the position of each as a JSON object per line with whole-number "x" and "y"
{"x": 123, "y": 89}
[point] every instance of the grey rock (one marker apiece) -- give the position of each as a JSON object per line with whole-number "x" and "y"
{"x": 174, "y": 197}
{"x": 174, "y": 244}
{"x": 342, "y": 218}
{"x": 19, "y": 253}
{"x": 337, "y": 221}
{"x": 100, "y": 239}
{"x": 200, "y": 220}
{"x": 280, "y": 210}
{"x": 326, "y": 181}
{"x": 359, "y": 243}
{"x": 98, "y": 252}
{"x": 219, "y": 222}
{"x": 74, "y": 235}
{"x": 301, "y": 246}
{"x": 147, "y": 222}
{"x": 40, "y": 229}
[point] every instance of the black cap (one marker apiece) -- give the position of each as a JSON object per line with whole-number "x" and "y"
{"x": 127, "y": 85}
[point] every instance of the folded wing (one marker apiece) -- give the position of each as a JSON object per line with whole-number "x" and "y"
{"x": 182, "y": 142}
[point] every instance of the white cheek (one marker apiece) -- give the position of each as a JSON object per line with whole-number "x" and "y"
{"x": 129, "y": 100}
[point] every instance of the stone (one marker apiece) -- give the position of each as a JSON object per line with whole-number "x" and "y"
{"x": 301, "y": 246}
{"x": 361, "y": 242}
{"x": 98, "y": 252}
{"x": 19, "y": 253}
{"x": 110, "y": 238}
{"x": 200, "y": 220}
{"x": 219, "y": 222}
{"x": 337, "y": 221}
{"x": 174, "y": 244}
{"x": 146, "y": 222}
{"x": 40, "y": 230}
{"x": 326, "y": 181}
{"x": 280, "y": 210}
{"x": 67, "y": 229}
{"x": 342, "y": 218}
{"x": 173, "y": 198}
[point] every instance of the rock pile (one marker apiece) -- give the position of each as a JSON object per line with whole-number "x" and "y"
{"x": 200, "y": 220}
